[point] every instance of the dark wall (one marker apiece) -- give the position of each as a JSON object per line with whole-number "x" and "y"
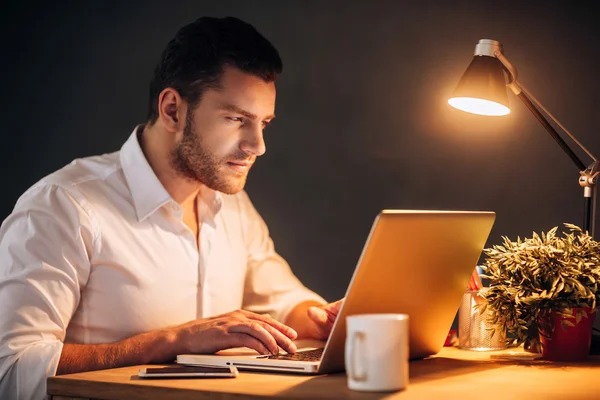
{"x": 363, "y": 122}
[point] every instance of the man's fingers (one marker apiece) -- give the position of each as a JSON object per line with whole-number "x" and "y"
{"x": 334, "y": 308}
{"x": 286, "y": 330}
{"x": 257, "y": 331}
{"x": 318, "y": 315}
{"x": 325, "y": 313}
{"x": 283, "y": 341}
{"x": 245, "y": 340}
{"x": 323, "y": 320}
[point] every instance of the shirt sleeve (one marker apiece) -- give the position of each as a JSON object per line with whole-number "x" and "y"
{"x": 270, "y": 285}
{"x": 44, "y": 262}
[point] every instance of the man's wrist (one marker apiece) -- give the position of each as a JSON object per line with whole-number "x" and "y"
{"x": 166, "y": 345}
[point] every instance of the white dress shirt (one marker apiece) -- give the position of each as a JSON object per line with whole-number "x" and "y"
{"x": 97, "y": 252}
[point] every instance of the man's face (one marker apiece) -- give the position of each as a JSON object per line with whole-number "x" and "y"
{"x": 223, "y": 135}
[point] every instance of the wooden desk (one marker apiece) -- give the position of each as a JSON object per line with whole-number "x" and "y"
{"x": 452, "y": 374}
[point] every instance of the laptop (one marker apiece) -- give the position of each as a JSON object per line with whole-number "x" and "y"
{"x": 414, "y": 262}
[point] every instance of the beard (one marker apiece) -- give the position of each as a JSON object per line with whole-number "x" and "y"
{"x": 194, "y": 161}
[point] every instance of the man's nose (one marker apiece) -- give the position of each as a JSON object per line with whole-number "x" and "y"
{"x": 253, "y": 142}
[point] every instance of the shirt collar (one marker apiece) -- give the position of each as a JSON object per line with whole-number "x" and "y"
{"x": 147, "y": 191}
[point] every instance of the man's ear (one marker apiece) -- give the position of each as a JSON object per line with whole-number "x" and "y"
{"x": 171, "y": 110}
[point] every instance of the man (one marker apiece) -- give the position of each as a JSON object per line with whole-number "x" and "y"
{"x": 137, "y": 256}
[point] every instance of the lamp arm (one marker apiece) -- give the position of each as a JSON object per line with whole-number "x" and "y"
{"x": 557, "y": 122}
{"x": 588, "y": 176}
{"x": 540, "y": 117}
{"x": 518, "y": 89}
{"x": 510, "y": 70}
{"x": 591, "y": 209}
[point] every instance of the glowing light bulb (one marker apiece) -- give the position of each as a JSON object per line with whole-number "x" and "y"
{"x": 479, "y": 106}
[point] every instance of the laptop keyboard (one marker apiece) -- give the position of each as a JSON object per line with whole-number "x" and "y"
{"x": 309, "y": 355}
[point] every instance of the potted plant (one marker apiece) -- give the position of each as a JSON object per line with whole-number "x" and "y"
{"x": 544, "y": 290}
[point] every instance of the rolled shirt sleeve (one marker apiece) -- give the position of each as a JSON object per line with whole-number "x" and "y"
{"x": 45, "y": 245}
{"x": 270, "y": 285}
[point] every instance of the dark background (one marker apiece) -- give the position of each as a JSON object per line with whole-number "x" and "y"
{"x": 363, "y": 122}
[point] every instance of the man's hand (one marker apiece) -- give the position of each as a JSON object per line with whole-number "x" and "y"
{"x": 207, "y": 335}
{"x": 313, "y": 320}
{"x": 235, "y": 329}
{"x": 324, "y": 317}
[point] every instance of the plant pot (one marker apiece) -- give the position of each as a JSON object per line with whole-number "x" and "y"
{"x": 565, "y": 342}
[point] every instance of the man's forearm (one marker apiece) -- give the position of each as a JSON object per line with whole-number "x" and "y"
{"x": 151, "y": 347}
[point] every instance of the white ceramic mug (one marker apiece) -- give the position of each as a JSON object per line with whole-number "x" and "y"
{"x": 377, "y": 352}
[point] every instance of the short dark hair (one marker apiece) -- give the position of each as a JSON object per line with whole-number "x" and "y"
{"x": 195, "y": 58}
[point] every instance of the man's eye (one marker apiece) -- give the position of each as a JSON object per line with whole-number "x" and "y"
{"x": 235, "y": 119}
{"x": 265, "y": 124}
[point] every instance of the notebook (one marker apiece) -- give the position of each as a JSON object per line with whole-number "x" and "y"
{"x": 414, "y": 262}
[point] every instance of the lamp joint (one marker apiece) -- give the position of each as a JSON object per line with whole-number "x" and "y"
{"x": 589, "y": 177}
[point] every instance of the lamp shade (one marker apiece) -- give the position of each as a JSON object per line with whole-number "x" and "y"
{"x": 482, "y": 88}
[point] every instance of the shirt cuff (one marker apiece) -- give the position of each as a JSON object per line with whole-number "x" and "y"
{"x": 25, "y": 373}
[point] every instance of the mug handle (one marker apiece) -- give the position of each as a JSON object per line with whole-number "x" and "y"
{"x": 356, "y": 338}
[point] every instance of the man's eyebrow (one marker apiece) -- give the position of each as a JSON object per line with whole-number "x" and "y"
{"x": 248, "y": 114}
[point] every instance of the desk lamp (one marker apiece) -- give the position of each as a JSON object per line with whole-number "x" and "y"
{"x": 482, "y": 90}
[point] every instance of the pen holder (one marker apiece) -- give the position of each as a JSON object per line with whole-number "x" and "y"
{"x": 474, "y": 330}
